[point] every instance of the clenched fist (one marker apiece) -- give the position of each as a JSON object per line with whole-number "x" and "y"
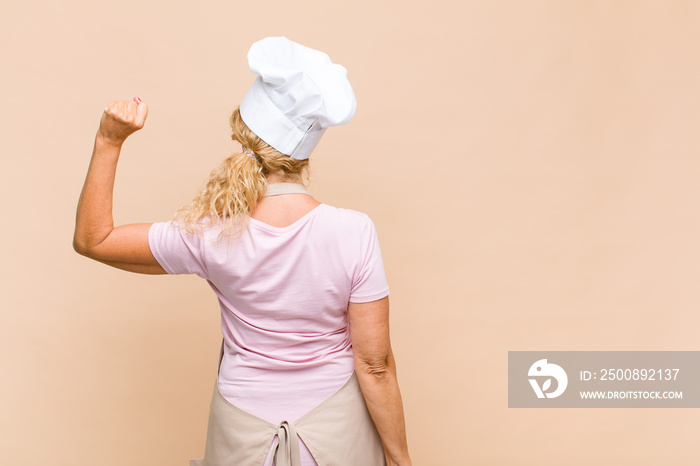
{"x": 121, "y": 118}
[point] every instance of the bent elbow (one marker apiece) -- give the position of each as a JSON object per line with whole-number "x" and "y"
{"x": 77, "y": 248}
{"x": 378, "y": 367}
{"x": 80, "y": 248}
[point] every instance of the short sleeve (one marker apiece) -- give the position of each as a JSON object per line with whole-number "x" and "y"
{"x": 369, "y": 282}
{"x": 176, "y": 250}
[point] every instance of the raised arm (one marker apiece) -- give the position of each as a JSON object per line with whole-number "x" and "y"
{"x": 125, "y": 247}
{"x": 376, "y": 372}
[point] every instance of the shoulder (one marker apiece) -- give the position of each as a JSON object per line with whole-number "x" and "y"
{"x": 348, "y": 217}
{"x": 348, "y": 214}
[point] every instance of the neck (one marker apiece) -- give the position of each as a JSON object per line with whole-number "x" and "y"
{"x": 275, "y": 178}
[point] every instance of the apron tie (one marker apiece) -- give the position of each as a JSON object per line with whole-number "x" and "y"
{"x": 287, "y": 446}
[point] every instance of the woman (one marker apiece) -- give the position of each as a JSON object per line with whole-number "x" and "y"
{"x": 306, "y": 373}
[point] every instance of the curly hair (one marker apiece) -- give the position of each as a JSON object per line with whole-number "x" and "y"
{"x": 234, "y": 188}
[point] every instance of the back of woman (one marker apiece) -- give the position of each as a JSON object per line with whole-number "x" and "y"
{"x": 283, "y": 293}
{"x": 306, "y": 373}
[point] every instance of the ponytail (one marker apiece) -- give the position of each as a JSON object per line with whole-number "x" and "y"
{"x": 234, "y": 188}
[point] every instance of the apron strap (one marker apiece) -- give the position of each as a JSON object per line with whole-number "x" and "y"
{"x": 286, "y": 446}
{"x": 273, "y": 189}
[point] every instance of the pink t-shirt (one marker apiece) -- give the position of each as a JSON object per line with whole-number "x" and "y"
{"x": 283, "y": 294}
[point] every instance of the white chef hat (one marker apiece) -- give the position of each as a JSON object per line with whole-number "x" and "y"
{"x": 298, "y": 93}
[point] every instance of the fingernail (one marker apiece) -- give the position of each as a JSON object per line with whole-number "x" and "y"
{"x": 137, "y": 99}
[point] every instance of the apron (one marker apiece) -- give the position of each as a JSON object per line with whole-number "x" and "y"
{"x": 338, "y": 432}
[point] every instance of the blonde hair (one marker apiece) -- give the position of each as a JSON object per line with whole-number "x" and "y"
{"x": 234, "y": 188}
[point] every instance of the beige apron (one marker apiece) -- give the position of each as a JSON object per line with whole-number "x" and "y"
{"x": 338, "y": 432}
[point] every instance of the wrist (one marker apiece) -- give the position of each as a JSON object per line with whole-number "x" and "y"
{"x": 406, "y": 462}
{"x": 403, "y": 460}
{"x": 104, "y": 140}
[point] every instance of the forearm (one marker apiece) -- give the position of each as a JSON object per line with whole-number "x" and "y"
{"x": 383, "y": 398}
{"x": 94, "y": 219}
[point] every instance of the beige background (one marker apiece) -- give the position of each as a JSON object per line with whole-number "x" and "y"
{"x": 531, "y": 168}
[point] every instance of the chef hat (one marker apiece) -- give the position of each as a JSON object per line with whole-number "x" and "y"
{"x": 298, "y": 93}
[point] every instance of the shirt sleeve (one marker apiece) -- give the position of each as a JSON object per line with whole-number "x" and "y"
{"x": 369, "y": 282}
{"x": 176, "y": 250}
